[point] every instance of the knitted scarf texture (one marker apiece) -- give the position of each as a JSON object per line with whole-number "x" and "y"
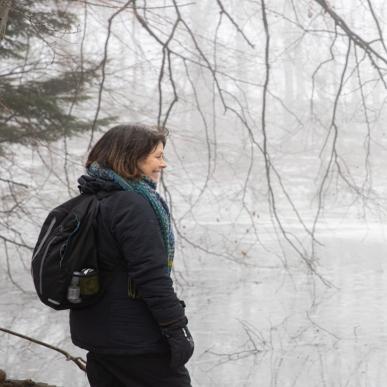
{"x": 146, "y": 188}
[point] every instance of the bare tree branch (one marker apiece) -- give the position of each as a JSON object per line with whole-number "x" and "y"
{"x": 103, "y": 68}
{"x": 81, "y": 363}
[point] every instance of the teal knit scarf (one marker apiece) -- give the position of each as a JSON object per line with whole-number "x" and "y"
{"x": 146, "y": 188}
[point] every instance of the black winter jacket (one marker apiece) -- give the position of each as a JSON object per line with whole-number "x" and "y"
{"x": 131, "y": 245}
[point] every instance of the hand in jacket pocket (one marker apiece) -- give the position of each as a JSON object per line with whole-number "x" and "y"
{"x": 181, "y": 344}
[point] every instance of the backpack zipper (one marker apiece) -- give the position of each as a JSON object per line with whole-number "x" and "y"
{"x": 42, "y": 262}
{"x": 45, "y": 237}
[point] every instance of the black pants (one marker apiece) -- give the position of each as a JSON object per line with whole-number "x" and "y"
{"x": 134, "y": 371}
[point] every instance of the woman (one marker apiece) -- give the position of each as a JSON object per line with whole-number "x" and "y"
{"x": 137, "y": 334}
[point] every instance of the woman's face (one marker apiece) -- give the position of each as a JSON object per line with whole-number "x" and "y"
{"x": 152, "y": 165}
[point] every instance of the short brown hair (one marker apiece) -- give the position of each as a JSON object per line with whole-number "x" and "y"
{"x": 122, "y": 146}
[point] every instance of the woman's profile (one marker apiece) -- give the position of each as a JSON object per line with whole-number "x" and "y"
{"x": 137, "y": 334}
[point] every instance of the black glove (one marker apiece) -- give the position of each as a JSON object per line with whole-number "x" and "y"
{"x": 180, "y": 342}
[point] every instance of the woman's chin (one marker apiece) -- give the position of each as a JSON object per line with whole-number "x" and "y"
{"x": 155, "y": 177}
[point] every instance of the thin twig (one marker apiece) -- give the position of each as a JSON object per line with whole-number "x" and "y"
{"x": 81, "y": 363}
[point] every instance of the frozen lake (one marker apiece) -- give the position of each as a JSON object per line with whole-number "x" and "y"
{"x": 254, "y": 324}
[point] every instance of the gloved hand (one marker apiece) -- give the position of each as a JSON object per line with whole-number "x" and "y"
{"x": 180, "y": 342}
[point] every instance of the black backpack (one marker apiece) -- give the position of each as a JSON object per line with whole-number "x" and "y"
{"x": 65, "y": 259}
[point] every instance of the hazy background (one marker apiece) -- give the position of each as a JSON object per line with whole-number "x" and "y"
{"x": 276, "y": 178}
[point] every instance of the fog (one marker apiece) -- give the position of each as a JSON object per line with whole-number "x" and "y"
{"x": 275, "y": 177}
